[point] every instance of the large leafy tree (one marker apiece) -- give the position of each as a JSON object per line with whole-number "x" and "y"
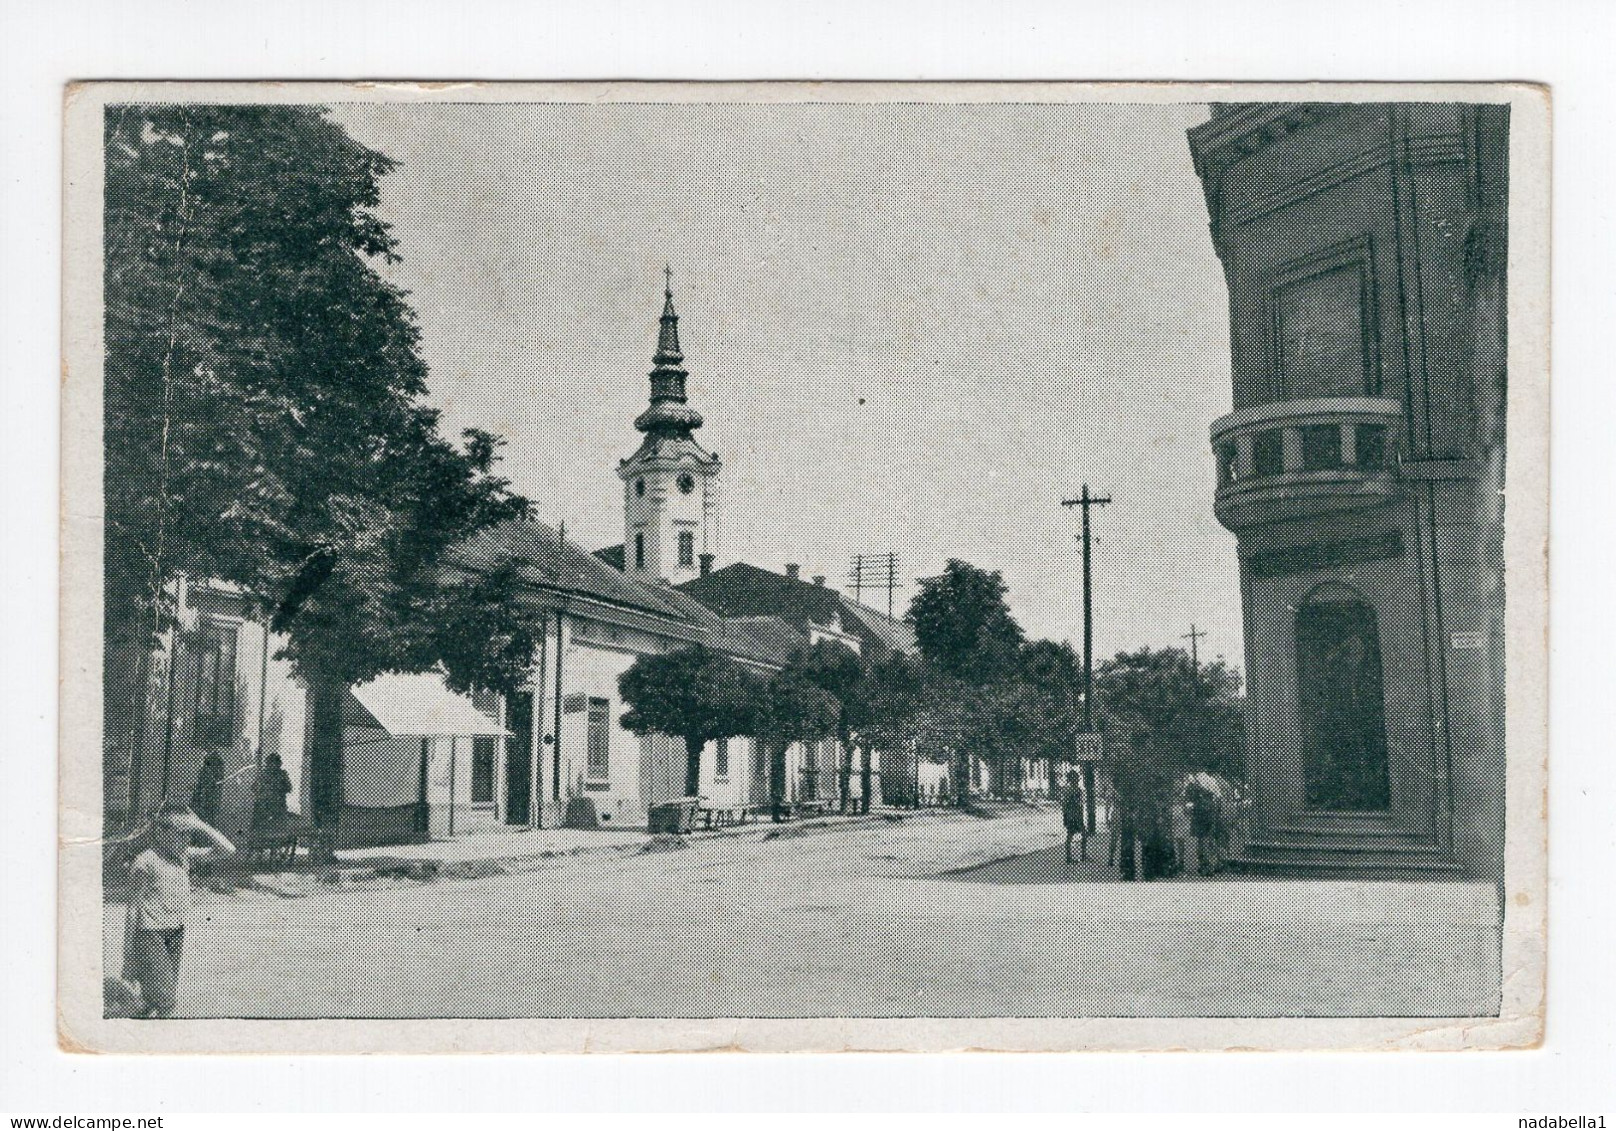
{"x": 696, "y": 694}
{"x": 1181, "y": 714}
{"x": 963, "y": 624}
{"x": 1051, "y": 678}
{"x": 264, "y": 423}
{"x": 893, "y": 687}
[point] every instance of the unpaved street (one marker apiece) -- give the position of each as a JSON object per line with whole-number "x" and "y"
{"x": 855, "y": 922}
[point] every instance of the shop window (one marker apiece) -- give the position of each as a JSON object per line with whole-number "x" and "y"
{"x": 1342, "y": 707}
{"x": 1268, "y": 452}
{"x": 1321, "y": 447}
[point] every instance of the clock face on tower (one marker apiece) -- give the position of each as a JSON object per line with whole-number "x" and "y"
{"x": 687, "y": 483}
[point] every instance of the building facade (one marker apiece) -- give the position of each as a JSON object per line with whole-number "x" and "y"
{"x": 1364, "y": 248}
{"x": 420, "y": 761}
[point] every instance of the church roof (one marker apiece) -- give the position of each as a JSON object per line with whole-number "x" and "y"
{"x": 668, "y": 414}
{"x": 613, "y": 556}
{"x": 766, "y": 639}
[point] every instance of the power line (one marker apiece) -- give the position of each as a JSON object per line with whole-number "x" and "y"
{"x": 1194, "y": 636}
{"x": 874, "y": 571}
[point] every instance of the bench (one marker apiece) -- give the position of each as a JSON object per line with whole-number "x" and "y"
{"x": 721, "y": 816}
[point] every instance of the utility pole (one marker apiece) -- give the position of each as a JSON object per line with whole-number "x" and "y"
{"x": 872, "y": 571}
{"x": 1194, "y": 636}
{"x": 1088, "y": 501}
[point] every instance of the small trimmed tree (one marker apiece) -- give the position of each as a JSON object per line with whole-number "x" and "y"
{"x": 841, "y": 673}
{"x": 695, "y": 693}
{"x": 793, "y": 710}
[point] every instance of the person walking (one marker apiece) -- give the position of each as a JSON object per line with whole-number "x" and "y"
{"x": 159, "y": 903}
{"x": 1074, "y": 818}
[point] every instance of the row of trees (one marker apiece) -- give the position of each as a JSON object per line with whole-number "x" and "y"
{"x": 264, "y": 422}
{"x": 977, "y": 688}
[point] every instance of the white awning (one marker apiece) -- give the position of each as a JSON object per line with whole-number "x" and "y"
{"x": 422, "y": 705}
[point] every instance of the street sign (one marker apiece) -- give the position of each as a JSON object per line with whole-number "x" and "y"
{"x": 1088, "y": 748}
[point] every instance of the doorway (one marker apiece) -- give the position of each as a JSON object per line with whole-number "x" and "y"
{"x": 1342, "y": 707}
{"x": 519, "y": 758}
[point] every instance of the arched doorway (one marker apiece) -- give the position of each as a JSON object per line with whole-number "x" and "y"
{"x": 1341, "y": 703}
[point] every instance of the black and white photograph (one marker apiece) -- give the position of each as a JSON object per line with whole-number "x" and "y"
{"x": 804, "y": 567}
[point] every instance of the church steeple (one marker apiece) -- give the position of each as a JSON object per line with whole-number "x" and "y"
{"x": 668, "y": 414}
{"x": 670, "y": 485}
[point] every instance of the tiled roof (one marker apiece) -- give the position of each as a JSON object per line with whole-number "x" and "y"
{"x": 768, "y": 640}
{"x": 894, "y": 634}
{"x": 743, "y": 590}
{"x": 544, "y": 559}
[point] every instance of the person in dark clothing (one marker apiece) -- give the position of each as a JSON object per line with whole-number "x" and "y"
{"x": 269, "y": 794}
{"x": 209, "y": 780}
{"x": 1074, "y": 818}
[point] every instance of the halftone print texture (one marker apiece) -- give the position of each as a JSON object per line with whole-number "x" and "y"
{"x": 609, "y": 561}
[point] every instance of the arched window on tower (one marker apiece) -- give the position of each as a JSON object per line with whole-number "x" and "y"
{"x": 687, "y": 548}
{"x": 639, "y": 551}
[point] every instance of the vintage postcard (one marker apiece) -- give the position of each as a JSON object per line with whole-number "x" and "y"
{"x": 789, "y": 566}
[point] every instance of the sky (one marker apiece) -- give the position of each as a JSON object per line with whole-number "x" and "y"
{"x": 911, "y": 328}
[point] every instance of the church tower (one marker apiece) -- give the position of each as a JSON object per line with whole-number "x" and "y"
{"x": 670, "y": 485}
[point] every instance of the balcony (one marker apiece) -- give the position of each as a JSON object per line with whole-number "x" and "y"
{"x": 1294, "y": 459}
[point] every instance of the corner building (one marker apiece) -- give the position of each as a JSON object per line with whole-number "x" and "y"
{"x": 1361, "y": 469}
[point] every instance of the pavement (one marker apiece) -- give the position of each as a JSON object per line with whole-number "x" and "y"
{"x": 879, "y": 919}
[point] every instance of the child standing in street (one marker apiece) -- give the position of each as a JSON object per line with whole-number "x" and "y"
{"x": 159, "y": 899}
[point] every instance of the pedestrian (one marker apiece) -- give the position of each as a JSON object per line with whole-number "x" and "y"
{"x": 159, "y": 899}
{"x": 1206, "y": 821}
{"x": 1180, "y": 818}
{"x": 1113, "y": 826}
{"x": 1073, "y": 817}
{"x": 209, "y": 780}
